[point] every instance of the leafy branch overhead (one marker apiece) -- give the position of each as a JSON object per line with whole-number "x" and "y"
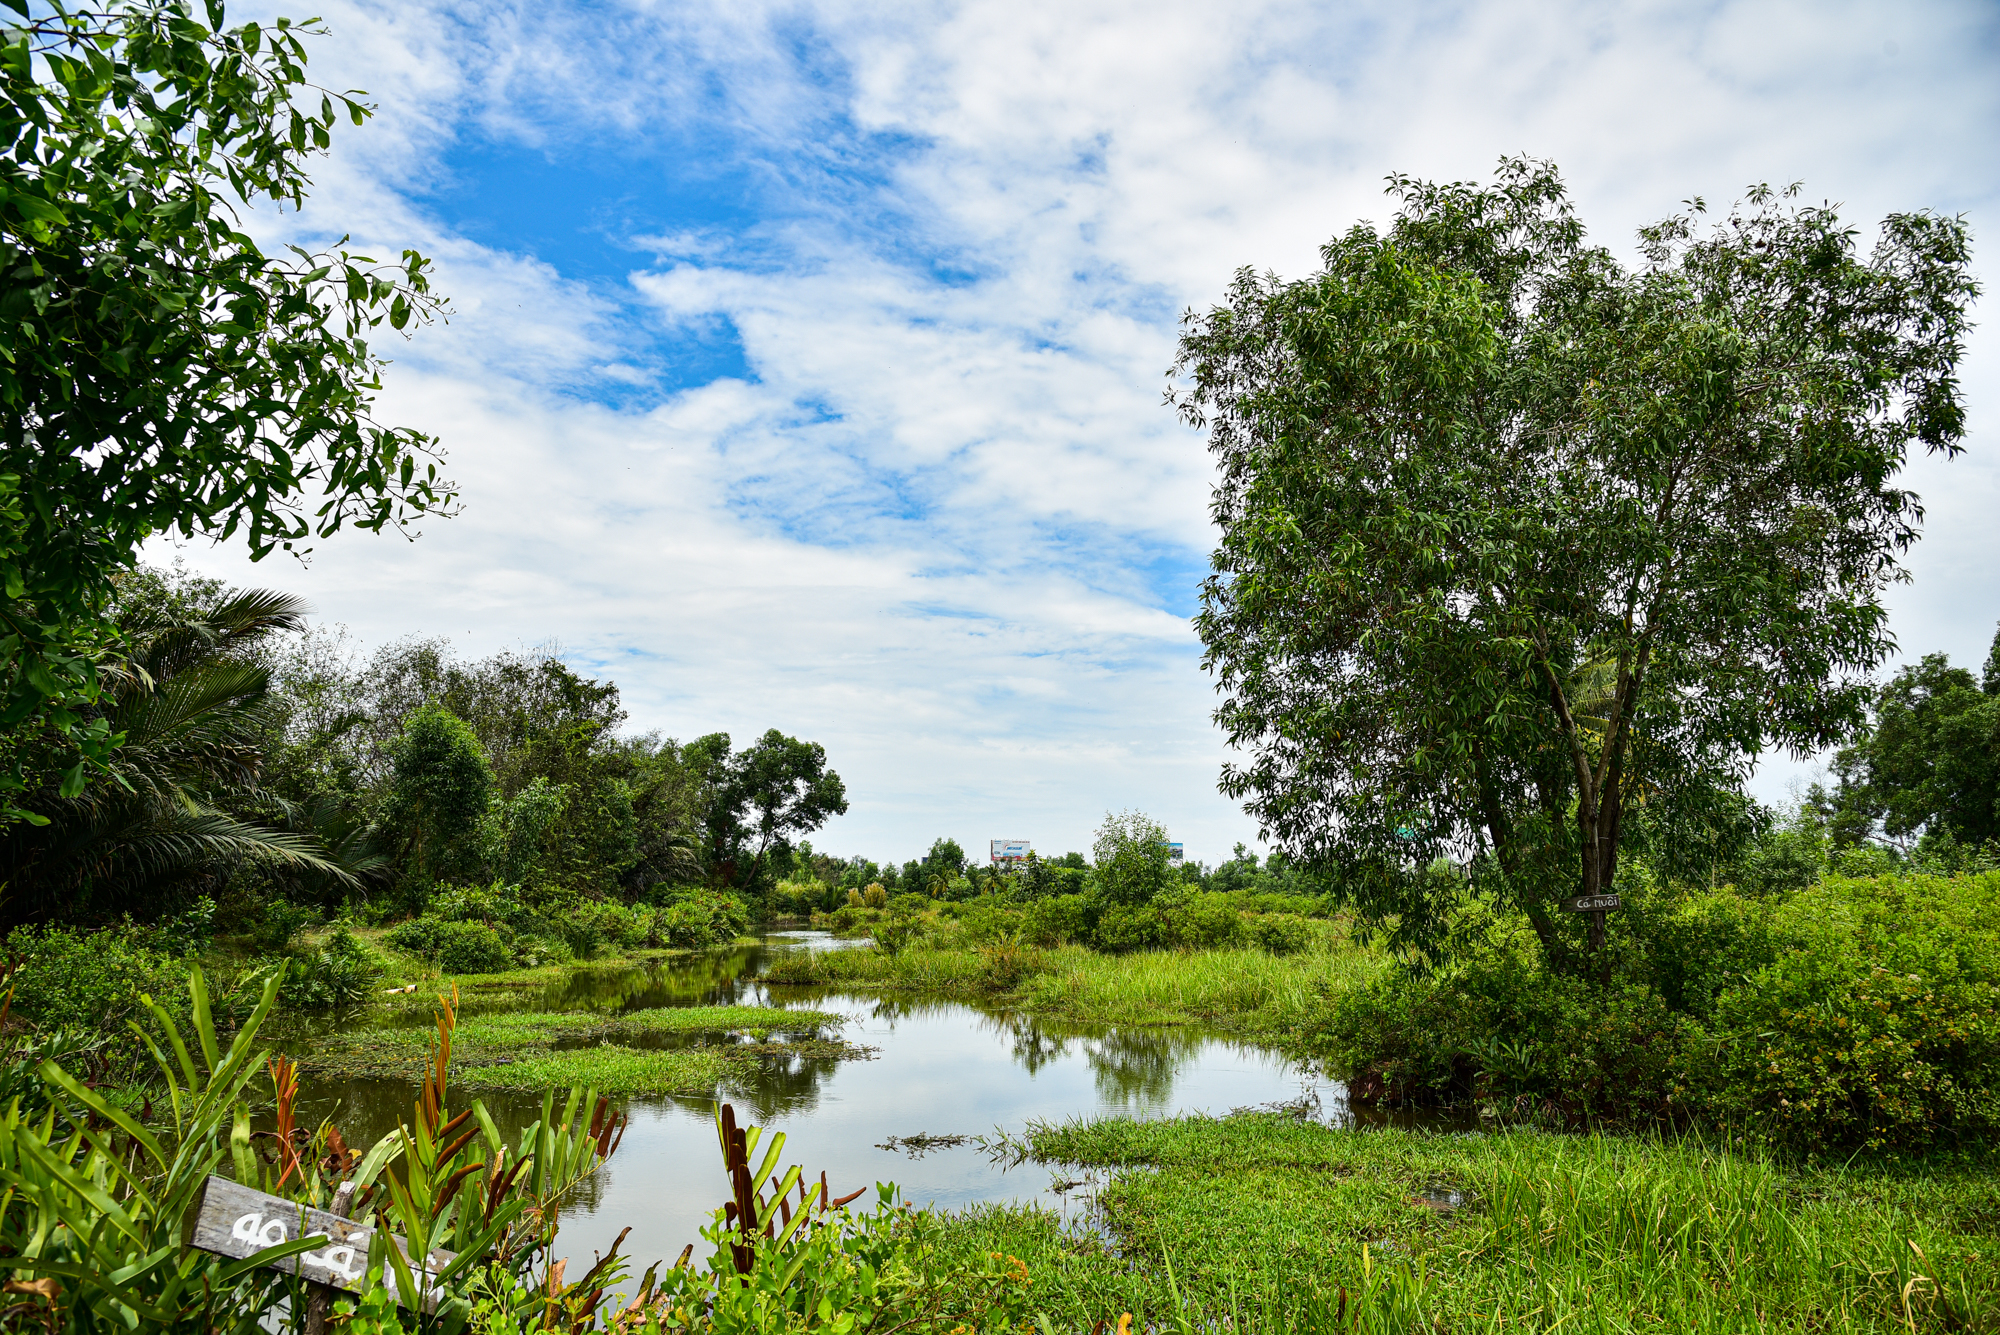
{"x": 159, "y": 370}
{"x": 1523, "y": 548}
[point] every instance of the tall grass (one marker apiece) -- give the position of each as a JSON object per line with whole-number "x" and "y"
{"x": 1242, "y": 989}
{"x": 1717, "y": 1239}
{"x": 1245, "y": 989}
{"x": 1264, "y": 1223}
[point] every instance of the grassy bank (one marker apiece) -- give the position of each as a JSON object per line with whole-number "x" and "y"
{"x": 535, "y": 1050}
{"x": 1277, "y": 1224}
{"x": 1245, "y": 990}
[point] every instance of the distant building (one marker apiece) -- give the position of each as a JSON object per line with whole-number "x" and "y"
{"x": 1009, "y": 851}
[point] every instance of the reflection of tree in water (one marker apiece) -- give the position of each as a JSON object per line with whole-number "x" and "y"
{"x": 1136, "y": 1067}
{"x": 1034, "y": 1046}
{"x": 712, "y": 978}
{"x": 785, "y": 1084}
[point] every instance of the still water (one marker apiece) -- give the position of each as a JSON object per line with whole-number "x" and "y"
{"x": 939, "y": 1069}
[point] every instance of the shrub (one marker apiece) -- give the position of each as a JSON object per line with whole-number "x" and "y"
{"x": 1199, "y": 922}
{"x": 1058, "y": 919}
{"x": 340, "y": 973}
{"x": 1499, "y": 1030}
{"x": 280, "y": 921}
{"x": 1131, "y": 927}
{"x": 1700, "y": 944}
{"x": 455, "y": 947}
{"x": 875, "y": 896}
{"x": 692, "y": 918}
{"x": 582, "y": 933}
{"x": 498, "y": 903}
{"x": 1280, "y": 933}
{"x": 1878, "y": 1026}
{"x": 88, "y": 982}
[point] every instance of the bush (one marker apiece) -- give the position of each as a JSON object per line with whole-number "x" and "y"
{"x": 1200, "y": 921}
{"x": 1878, "y": 1026}
{"x": 455, "y": 947}
{"x": 499, "y": 903}
{"x": 1281, "y": 933}
{"x": 88, "y": 982}
{"x": 1498, "y": 1030}
{"x": 1131, "y": 927}
{"x": 693, "y": 918}
{"x": 1700, "y": 944}
{"x": 1058, "y": 919}
{"x": 340, "y": 973}
{"x": 280, "y": 921}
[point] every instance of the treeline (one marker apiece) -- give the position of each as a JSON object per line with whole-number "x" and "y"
{"x": 269, "y": 773}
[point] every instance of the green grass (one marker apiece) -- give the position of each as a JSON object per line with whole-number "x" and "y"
{"x": 512, "y": 1049}
{"x": 1264, "y": 1221}
{"x": 609, "y": 1070}
{"x": 1244, "y": 990}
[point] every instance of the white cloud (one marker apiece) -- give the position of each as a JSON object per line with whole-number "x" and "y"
{"x": 929, "y": 527}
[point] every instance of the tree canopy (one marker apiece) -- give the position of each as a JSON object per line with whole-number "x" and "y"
{"x": 760, "y": 799}
{"x": 1929, "y": 764}
{"x": 159, "y": 371}
{"x": 1517, "y": 539}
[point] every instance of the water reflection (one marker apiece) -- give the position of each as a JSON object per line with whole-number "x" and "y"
{"x": 941, "y": 1068}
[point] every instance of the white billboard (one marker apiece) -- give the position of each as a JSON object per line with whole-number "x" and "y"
{"x": 1010, "y": 850}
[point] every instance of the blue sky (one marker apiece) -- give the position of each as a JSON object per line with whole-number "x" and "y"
{"x": 805, "y": 361}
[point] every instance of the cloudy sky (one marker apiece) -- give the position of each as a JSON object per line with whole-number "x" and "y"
{"x": 805, "y": 362}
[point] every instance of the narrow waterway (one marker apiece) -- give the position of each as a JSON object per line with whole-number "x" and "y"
{"x": 940, "y": 1069}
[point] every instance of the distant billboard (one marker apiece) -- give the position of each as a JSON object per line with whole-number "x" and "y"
{"x": 1010, "y": 850}
{"x": 1174, "y": 852}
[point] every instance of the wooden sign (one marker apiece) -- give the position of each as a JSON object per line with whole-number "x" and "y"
{"x": 1592, "y": 903}
{"x": 232, "y": 1220}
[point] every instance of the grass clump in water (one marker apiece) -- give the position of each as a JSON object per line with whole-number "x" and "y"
{"x": 539, "y": 1049}
{"x": 1246, "y": 990}
{"x": 610, "y": 1070}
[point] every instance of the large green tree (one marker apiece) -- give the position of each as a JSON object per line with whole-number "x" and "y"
{"x": 1930, "y": 760}
{"x": 1516, "y": 538}
{"x": 758, "y": 800}
{"x": 159, "y": 370}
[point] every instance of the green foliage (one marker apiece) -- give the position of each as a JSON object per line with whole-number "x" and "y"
{"x": 693, "y": 917}
{"x": 1877, "y": 1026}
{"x": 1130, "y": 859}
{"x": 519, "y": 830}
{"x": 1499, "y": 520}
{"x": 1930, "y": 760}
{"x": 1856, "y": 1014}
{"x": 88, "y": 982}
{"x": 455, "y": 947}
{"x": 1060, "y": 919}
{"x": 438, "y": 792}
{"x": 192, "y": 704}
{"x": 336, "y": 974}
{"x": 759, "y": 799}
{"x": 1280, "y": 933}
{"x": 158, "y": 371}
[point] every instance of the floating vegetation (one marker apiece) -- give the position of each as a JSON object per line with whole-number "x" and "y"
{"x": 617, "y": 1054}
{"x": 919, "y": 1145}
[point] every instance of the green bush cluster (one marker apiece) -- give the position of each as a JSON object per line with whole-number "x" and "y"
{"x": 79, "y": 981}
{"x": 1181, "y": 918}
{"x": 1853, "y": 1014}
{"x": 488, "y": 929}
{"x": 332, "y": 974}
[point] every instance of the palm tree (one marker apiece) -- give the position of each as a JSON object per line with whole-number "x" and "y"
{"x": 193, "y": 703}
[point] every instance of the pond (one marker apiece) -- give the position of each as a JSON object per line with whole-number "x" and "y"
{"x": 939, "y": 1069}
